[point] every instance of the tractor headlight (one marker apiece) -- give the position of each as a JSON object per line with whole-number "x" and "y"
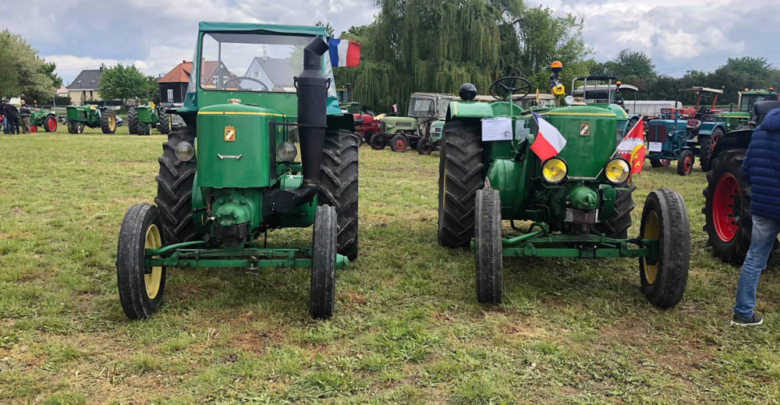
{"x": 554, "y": 170}
{"x": 286, "y": 152}
{"x": 184, "y": 151}
{"x": 617, "y": 171}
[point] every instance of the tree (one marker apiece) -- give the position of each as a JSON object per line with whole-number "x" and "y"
{"x": 328, "y": 28}
{"x": 22, "y": 72}
{"x": 124, "y": 82}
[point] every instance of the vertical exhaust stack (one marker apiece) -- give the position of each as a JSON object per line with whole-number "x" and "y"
{"x": 312, "y": 90}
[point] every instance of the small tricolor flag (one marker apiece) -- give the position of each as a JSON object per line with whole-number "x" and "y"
{"x": 549, "y": 141}
{"x": 632, "y": 147}
{"x": 344, "y": 53}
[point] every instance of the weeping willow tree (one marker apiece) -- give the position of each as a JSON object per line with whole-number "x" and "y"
{"x": 436, "y": 45}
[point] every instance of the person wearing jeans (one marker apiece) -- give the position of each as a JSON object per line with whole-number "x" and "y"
{"x": 760, "y": 170}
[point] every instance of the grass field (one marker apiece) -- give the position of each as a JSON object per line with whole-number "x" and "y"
{"x": 407, "y": 327}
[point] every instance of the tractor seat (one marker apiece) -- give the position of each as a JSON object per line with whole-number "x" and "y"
{"x": 694, "y": 124}
{"x": 762, "y": 108}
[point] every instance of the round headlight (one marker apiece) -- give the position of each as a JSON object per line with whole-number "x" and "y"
{"x": 554, "y": 170}
{"x": 617, "y": 171}
{"x": 184, "y": 151}
{"x": 286, "y": 152}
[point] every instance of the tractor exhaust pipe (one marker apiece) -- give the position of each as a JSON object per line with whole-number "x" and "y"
{"x": 312, "y": 90}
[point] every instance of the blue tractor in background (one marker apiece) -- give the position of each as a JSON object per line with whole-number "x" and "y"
{"x": 683, "y": 134}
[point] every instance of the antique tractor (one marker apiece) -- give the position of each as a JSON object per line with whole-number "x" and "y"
{"x": 575, "y": 204}
{"x": 230, "y": 175}
{"x": 741, "y": 118}
{"x": 728, "y": 223}
{"x": 44, "y": 119}
{"x": 606, "y": 90}
{"x": 141, "y": 119}
{"x": 415, "y": 130}
{"x": 91, "y": 116}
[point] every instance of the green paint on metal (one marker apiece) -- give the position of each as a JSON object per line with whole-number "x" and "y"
{"x": 242, "y": 257}
{"x": 583, "y": 198}
{"x": 587, "y": 246}
{"x": 590, "y": 133}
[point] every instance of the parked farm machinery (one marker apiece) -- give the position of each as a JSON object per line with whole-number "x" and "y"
{"x": 230, "y": 175}
{"x": 45, "y": 119}
{"x": 90, "y": 116}
{"x": 575, "y": 203}
{"x": 142, "y": 118}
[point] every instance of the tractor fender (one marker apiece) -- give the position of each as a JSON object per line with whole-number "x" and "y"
{"x": 707, "y": 128}
{"x": 739, "y": 139}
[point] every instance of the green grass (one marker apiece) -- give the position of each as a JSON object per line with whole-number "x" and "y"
{"x": 407, "y": 327}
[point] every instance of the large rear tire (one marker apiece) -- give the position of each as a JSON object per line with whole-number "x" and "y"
{"x": 140, "y": 287}
{"x": 461, "y": 174}
{"x": 727, "y": 208}
{"x": 339, "y": 187}
{"x": 617, "y": 226}
{"x": 323, "y": 263}
{"x": 132, "y": 121}
{"x": 174, "y": 189}
{"x": 707, "y": 146}
{"x": 378, "y": 141}
{"x": 488, "y": 255}
{"x": 665, "y": 219}
{"x": 108, "y": 122}
{"x": 163, "y": 121}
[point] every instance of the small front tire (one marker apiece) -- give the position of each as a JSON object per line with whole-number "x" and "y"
{"x": 665, "y": 219}
{"x": 399, "y": 143}
{"x": 323, "y": 263}
{"x": 488, "y": 255}
{"x": 685, "y": 162}
{"x": 140, "y": 287}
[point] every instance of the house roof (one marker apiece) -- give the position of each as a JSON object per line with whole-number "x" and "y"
{"x": 179, "y": 74}
{"x": 86, "y": 80}
{"x": 278, "y": 70}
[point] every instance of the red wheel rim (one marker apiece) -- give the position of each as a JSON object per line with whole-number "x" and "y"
{"x": 723, "y": 207}
{"x": 51, "y": 124}
{"x": 399, "y": 144}
{"x": 687, "y": 164}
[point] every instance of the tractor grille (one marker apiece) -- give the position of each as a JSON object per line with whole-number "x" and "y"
{"x": 657, "y": 133}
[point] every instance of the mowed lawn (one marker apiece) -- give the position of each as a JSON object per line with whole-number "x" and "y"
{"x": 407, "y": 327}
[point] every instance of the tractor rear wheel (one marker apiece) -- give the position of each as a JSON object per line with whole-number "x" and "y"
{"x": 50, "y": 123}
{"x": 174, "y": 189}
{"x": 163, "y": 122}
{"x": 74, "y": 127}
{"x": 132, "y": 121}
{"x": 685, "y": 162}
{"x": 378, "y": 141}
{"x": 108, "y": 122}
{"x": 488, "y": 255}
{"x": 140, "y": 287}
{"x": 617, "y": 226}
{"x": 460, "y": 176}
{"x": 665, "y": 219}
{"x": 323, "y": 263}
{"x": 339, "y": 187}
{"x": 727, "y": 208}
{"x": 399, "y": 143}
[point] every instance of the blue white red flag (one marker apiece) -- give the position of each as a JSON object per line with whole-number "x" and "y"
{"x": 344, "y": 53}
{"x": 549, "y": 141}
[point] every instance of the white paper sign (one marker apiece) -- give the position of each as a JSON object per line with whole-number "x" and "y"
{"x": 496, "y": 129}
{"x": 655, "y": 146}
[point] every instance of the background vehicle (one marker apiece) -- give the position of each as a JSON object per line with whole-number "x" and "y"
{"x": 142, "y": 118}
{"x": 45, "y": 119}
{"x": 415, "y": 129}
{"x": 577, "y": 203}
{"x": 230, "y": 175}
{"x": 91, "y": 116}
{"x": 740, "y": 118}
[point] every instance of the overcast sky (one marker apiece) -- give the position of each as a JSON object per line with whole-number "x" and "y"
{"x": 155, "y": 35}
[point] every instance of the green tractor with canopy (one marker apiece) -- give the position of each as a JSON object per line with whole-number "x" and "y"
{"x": 92, "y": 116}
{"x": 740, "y": 119}
{"x": 230, "y": 175}
{"x": 142, "y": 118}
{"x": 575, "y": 203}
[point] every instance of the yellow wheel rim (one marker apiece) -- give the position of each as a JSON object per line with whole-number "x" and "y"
{"x": 653, "y": 232}
{"x": 152, "y": 280}
{"x": 112, "y": 123}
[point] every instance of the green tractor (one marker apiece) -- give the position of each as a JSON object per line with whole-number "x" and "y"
{"x": 230, "y": 175}
{"x": 740, "y": 119}
{"x": 141, "y": 119}
{"x": 45, "y": 119}
{"x": 91, "y": 116}
{"x": 576, "y": 204}
{"x": 416, "y": 130}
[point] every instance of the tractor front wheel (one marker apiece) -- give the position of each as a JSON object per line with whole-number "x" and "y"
{"x": 108, "y": 122}
{"x": 174, "y": 189}
{"x": 399, "y": 143}
{"x": 339, "y": 187}
{"x": 488, "y": 255}
{"x": 75, "y": 127}
{"x": 460, "y": 176}
{"x": 323, "y": 263}
{"x": 655, "y": 163}
{"x": 50, "y": 123}
{"x": 664, "y": 274}
{"x": 707, "y": 145}
{"x": 685, "y": 162}
{"x": 727, "y": 208}
{"x": 140, "y": 287}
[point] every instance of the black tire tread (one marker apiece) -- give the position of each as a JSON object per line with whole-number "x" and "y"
{"x": 617, "y": 226}
{"x": 323, "y": 275}
{"x": 174, "y": 190}
{"x": 132, "y": 121}
{"x": 488, "y": 255}
{"x": 104, "y": 126}
{"x": 339, "y": 187}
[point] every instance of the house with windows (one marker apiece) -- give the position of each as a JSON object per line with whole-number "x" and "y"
{"x": 173, "y": 85}
{"x": 84, "y": 88}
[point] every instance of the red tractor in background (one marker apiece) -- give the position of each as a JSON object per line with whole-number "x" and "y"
{"x": 366, "y": 125}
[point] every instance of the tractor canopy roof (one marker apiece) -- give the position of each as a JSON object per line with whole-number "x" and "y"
{"x": 268, "y": 28}
{"x": 699, "y": 89}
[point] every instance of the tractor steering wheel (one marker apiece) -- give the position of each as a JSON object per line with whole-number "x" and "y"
{"x": 239, "y": 78}
{"x": 503, "y": 87}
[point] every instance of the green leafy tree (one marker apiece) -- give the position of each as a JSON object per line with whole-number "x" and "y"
{"x": 23, "y": 72}
{"x": 125, "y": 82}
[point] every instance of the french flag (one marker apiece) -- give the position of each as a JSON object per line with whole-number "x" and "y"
{"x": 549, "y": 141}
{"x": 344, "y": 53}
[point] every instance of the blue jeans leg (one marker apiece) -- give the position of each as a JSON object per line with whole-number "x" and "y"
{"x": 762, "y": 240}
